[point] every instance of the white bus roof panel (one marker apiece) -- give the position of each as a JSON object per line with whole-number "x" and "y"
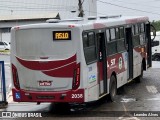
{"x": 89, "y": 24}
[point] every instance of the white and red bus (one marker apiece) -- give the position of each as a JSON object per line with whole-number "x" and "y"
{"x": 79, "y": 60}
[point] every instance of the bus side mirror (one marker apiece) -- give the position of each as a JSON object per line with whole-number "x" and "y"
{"x": 155, "y": 43}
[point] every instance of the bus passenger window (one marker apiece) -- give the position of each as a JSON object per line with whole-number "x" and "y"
{"x": 136, "y": 40}
{"x": 111, "y": 48}
{"x": 133, "y": 29}
{"x": 121, "y": 31}
{"x": 113, "y": 35}
{"x": 117, "y": 33}
{"x": 142, "y": 39}
{"x": 85, "y": 41}
{"x": 89, "y": 47}
{"x": 136, "y": 29}
{"x": 108, "y": 35}
{"x": 90, "y": 54}
{"x": 142, "y": 27}
{"x": 121, "y": 45}
{"x": 91, "y": 39}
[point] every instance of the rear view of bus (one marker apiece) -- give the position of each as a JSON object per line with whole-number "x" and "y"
{"x": 45, "y": 63}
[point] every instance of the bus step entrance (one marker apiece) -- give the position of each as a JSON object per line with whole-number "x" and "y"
{"x": 3, "y": 100}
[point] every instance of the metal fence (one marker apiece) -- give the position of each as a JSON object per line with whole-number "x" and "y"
{"x": 3, "y": 100}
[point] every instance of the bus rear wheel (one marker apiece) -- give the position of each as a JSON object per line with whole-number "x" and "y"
{"x": 112, "y": 88}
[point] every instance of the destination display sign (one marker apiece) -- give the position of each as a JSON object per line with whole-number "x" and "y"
{"x": 61, "y": 35}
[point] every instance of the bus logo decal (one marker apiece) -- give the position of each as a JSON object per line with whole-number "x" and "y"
{"x": 112, "y": 63}
{"x": 17, "y": 95}
{"x": 92, "y": 78}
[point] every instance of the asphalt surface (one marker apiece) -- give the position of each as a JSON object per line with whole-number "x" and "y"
{"x": 135, "y": 101}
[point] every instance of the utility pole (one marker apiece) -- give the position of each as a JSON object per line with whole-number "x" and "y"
{"x": 81, "y": 12}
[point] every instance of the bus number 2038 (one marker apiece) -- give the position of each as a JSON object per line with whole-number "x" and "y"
{"x": 77, "y": 95}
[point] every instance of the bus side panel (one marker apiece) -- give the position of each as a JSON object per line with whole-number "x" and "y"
{"x": 92, "y": 79}
{"x": 118, "y": 64}
{"x": 89, "y": 76}
{"x": 123, "y": 76}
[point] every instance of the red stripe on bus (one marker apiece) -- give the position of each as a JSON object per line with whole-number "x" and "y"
{"x": 100, "y": 71}
{"x": 66, "y": 71}
{"x": 61, "y": 68}
{"x": 98, "y": 25}
{"x": 45, "y": 65}
{"x": 135, "y": 20}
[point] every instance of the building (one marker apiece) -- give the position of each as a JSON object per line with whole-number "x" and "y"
{"x": 6, "y": 22}
{"x": 21, "y": 12}
{"x": 66, "y": 8}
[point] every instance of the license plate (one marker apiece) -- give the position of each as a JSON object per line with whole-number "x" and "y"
{"x": 45, "y": 83}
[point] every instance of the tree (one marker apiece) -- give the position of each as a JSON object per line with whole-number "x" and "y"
{"x": 156, "y": 24}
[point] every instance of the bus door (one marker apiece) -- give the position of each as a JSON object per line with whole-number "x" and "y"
{"x": 129, "y": 45}
{"x": 102, "y": 64}
{"x": 149, "y": 47}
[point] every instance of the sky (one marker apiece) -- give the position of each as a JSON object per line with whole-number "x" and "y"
{"x": 150, "y": 8}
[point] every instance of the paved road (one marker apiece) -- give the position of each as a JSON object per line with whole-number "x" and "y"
{"x": 140, "y": 98}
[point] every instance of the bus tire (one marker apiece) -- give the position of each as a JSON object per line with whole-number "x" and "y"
{"x": 112, "y": 88}
{"x": 140, "y": 77}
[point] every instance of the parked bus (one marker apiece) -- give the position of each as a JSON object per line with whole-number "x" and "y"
{"x": 79, "y": 60}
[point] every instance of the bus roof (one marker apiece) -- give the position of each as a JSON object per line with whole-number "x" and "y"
{"x": 89, "y": 23}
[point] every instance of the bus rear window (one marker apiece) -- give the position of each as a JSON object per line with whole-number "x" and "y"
{"x": 61, "y": 35}
{"x": 39, "y": 42}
